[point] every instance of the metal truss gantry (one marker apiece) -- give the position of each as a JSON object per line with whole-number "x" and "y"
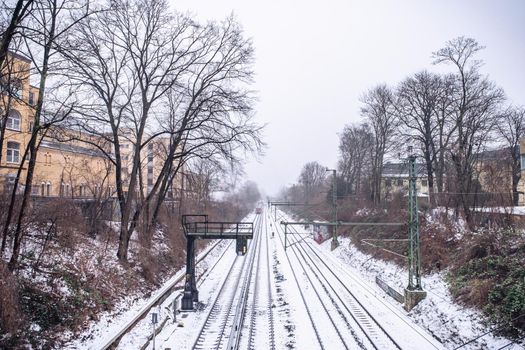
{"x": 198, "y": 226}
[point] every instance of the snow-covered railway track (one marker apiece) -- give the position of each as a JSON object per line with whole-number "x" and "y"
{"x": 270, "y": 305}
{"x": 261, "y": 299}
{"x": 363, "y": 317}
{"x": 229, "y": 307}
{"x": 364, "y": 328}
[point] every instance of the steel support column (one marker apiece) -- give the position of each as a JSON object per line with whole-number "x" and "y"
{"x": 191, "y": 293}
{"x": 414, "y": 254}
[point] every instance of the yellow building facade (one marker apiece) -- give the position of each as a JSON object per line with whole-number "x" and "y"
{"x": 66, "y": 165}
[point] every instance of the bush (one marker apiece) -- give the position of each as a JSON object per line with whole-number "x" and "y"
{"x": 491, "y": 275}
{"x": 10, "y": 316}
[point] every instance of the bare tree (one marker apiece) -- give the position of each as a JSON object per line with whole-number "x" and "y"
{"x": 44, "y": 28}
{"x": 203, "y": 179}
{"x": 444, "y": 128}
{"x": 475, "y": 104}
{"x": 511, "y": 129}
{"x": 312, "y": 178}
{"x": 356, "y": 144}
{"x": 378, "y": 110}
{"x": 418, "y": 100}
{"x": 162, "y": 79}
{"x": 14, "y": 13}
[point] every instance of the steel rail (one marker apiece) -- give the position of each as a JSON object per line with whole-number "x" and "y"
{"x": 255, "y": 299}
{"x": 235, "y": 335}
{"x": 305, "y": 273}
{"x": 387, "y": 305}
{"x": 327, "y": 285}
{"x": 353, "y": 297}
{"x": 271, "y": 324}
{"x": 202, "y": 332}
{"x": 200, "y": 280}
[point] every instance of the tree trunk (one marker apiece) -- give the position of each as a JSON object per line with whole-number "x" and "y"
{"x": 516, "y": 176}
{"x": 18, "y": 13}
{"x": 25, "y": 200}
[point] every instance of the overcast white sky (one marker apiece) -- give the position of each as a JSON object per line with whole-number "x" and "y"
{"x": 314, "y": 59}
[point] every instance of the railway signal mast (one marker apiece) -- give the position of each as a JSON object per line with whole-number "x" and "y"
{"x": 414, "y": 292}
{"x": 335, "y": 241}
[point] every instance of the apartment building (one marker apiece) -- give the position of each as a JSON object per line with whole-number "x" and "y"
{"x": 68, "y": 164}
{"x": 16, "y": 105}
{"x": 394, "y": 179}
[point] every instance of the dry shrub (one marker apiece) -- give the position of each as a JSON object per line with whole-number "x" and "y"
{"x": 149, "y": 268}
{"x": 437, "y": 243}
{"x": 61, "y": 218}
{"x": 10, "y": 315}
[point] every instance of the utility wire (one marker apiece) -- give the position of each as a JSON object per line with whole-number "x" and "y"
{"x": 509, "y": 344}
{"x": 490, "y": 331}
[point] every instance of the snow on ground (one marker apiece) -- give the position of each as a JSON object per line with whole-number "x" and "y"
{"x": 113, "y": 321}
{"x": 438, "y": 316}
{"x": 295, "y": 330}
{"x": 448, "y": 322}
{"x": 517, "y": 210}
{"x": 285, "y": 313}
{"x": 394, "y": 320}
{"x": 181, "y": 334}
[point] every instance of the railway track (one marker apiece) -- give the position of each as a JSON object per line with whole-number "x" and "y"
{"x": 225, "y": 319}
{"x": 239, "y": 310}
{"x": 166, "y": 291}
{"x": 262, "y": 300}
{"x": 354, "y": 325}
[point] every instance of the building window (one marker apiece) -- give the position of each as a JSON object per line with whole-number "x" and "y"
{"x": 388, "y": 182}
{"x": 150, "y": 181}
{"x": 13, "y": 87}
{"x": 400, "y": 182}
{"x": 30, "y": 127}
{"x": 16, "y": 88}
{"x": 13, "y": 152}
{"x": 424, "y": 183}
{"x": 67, "y": 190}
{"x": 13, "y": 120}
{"x": 43, "y": 189}
{"x": 150, "y": 159}
{"x": 62, "y": 189}
{"x": 10, "y": 181}
{"x": 523, "y": 162}
{"x": 48, "y": 189}
{"x": 31, "y": 99}
{"x": 150, "y": 170}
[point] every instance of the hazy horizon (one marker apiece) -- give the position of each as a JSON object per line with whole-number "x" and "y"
{"x": 314, "y": 60}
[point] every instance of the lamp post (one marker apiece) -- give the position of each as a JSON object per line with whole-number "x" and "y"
{"x": 335, "y": 242}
